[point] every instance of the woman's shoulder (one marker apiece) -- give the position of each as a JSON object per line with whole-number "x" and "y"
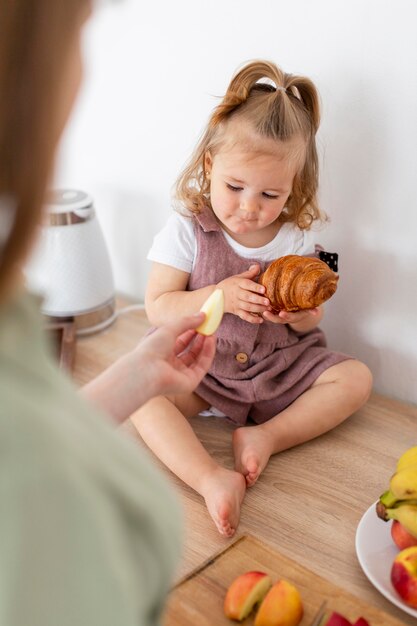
{"x": 63, "y": 443}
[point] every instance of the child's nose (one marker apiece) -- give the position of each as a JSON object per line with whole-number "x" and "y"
{"x": 249, "y": 206}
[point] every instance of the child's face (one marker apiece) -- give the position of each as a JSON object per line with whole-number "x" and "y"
{"x": 248, "y": 192}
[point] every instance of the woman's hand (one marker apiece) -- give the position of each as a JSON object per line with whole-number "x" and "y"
{"x": 173, "y": 359}
{"x": 244, "y": 297}
{"x": 301, "y": 321}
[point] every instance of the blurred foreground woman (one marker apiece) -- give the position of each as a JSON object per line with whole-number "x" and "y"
{"x": 89, "y": 530}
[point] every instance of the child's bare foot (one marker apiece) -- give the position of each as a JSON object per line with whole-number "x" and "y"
{"x": 223, "y": 492}
{"x": 252, "y": 449}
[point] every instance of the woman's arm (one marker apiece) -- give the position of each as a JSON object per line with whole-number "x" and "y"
{"x": 173, "y": 359}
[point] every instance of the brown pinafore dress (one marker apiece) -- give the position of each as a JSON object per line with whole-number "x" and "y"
{"x": 258, "y": 369}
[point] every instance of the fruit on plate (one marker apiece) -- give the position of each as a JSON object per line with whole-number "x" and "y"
{"x": 336, "y": 619}
{"x": 404, "y": 575}
{"x": 282, "y": 606}
{"x": 213, "y": 307}
{"x": 399, "y": 502}
{"x": 401, "y": 537}
{"x": 403, "y": 512}
{"x": 408, "y": 458}
{"x": 403, "y": 484}
{"x": 245, "y": 591}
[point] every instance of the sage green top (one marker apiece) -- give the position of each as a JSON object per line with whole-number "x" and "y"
{"x": 89, "y": 530}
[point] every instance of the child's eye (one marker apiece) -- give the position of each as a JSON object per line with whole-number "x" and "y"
{"x": 269, "y": 195}
{"x": 233, "y": 188}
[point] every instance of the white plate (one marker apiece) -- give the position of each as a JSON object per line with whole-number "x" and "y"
{"x": 376, "y": 551}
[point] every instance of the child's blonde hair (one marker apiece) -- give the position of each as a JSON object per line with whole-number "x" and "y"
{"x": 284, "y": 112}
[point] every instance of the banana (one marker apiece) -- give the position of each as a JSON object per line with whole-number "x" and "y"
{"x": 408, "y": 458}
{"x": 403, "y": 484}
{"x": 388, "y": 499}
{"x": 402, "y": 488}
{"x": 406, "y": 514}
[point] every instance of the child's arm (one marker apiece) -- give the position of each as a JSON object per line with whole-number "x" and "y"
{"x": 167, "y": 299}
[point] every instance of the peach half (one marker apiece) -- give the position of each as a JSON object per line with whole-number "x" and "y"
{"x": 282, "y": 606}
{"x": 404, "y": 575}
{"x": 245, "y": 591}
{"x": 213, "y": 307}
{"x": 401, "y": 537}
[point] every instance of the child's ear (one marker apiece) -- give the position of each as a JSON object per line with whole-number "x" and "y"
{"x": 208, "y": 162}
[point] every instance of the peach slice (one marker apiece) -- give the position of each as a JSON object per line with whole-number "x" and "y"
{"x": 244, "y": 592}
{"x": 282, "y": 606}
{"x": 213, "y": 307}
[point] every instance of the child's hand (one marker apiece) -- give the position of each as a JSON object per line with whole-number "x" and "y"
{"x": 299, "y": 320}
{"x": 244, "y": 297}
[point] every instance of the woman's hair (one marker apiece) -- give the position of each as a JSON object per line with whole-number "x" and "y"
{"x": 35, "y": 42}
{"x": 286, "y": 111}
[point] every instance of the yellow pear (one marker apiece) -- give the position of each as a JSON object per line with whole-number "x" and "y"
{"x": 214, "y": 309}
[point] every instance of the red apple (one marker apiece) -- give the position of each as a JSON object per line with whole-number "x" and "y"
{"x": 401, "y": 537}
{"x": 282, "y": 606}
{"x": 244, "y": 592}
{"x": 404, "y": 575}
{"x": 335, "y": 619}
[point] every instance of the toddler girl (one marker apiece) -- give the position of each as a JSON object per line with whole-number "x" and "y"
{"x": 248, "y": 196}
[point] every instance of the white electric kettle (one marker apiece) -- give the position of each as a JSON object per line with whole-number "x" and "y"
{"x": 70, "y": 267}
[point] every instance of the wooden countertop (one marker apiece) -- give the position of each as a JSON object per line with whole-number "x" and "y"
{"x": 309, "y": 500}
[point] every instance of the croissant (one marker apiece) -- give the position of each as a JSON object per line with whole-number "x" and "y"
{"x": 295, "y": 282}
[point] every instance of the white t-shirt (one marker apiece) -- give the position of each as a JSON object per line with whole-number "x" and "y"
{"x": 176, "y": 245}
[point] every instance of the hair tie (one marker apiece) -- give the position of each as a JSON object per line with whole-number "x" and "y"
{"x": 279, "y": 88}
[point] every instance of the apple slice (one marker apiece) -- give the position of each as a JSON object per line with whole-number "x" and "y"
{"x": 214, "y": 309}
{"x": 244, "y": 592}
{"x": 282, "y": 606}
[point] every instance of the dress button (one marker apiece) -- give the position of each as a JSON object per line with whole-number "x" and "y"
{"x": 241, "y": 357}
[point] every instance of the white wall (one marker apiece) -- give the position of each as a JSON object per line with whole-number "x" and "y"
{"x": 153, "y": 71}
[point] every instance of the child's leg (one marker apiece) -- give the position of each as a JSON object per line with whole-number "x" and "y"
{"x": 337, "y": 393}
{"x": 163, "y": 427}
